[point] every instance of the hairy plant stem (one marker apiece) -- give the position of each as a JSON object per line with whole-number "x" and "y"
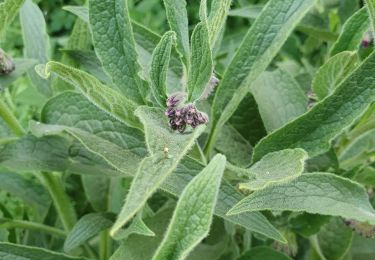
{"x": 105, "y": 245}
{"x": 11, "y": 223}
{"x": 8, "y": 117}
{"x": 62, "y": 203}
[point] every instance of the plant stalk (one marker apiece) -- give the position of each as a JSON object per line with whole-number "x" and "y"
{"x": 10, "y": 119}
{"x": 62, "y": 203}
{"x": 105, "y": 245}
{"x": 11, "y": 223}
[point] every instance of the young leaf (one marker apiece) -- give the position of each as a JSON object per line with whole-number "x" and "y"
{"x": 87, "y": 227}
{"x": 115, "y": 46}
{"x": 331, "y": 74}
{"x": 159, "y": 67}
{"x": 276, "y": 167}
{"x": 314, "y": 130}
{"x": 13, "y": 251}
{"x": 103, "y": 97}
{"x": 192, "y": 217}
{"x": 335, "y": 239}
{"x": 136, "y": 227}
{"x": 166, "y": 150}
{"x": 201, "y": 64}
{"x": 217, "y": 18}
{"x": 352, "y": 32}
{"x": 178, "y": 22}
{"x": 317, "y": 193}
{"x": 36, "y": 42}
{"x": 227, "y": 198}
{"x": 261, "y": 44}
{"x": 8, "y": 11}
{"x": 279, "y": 97}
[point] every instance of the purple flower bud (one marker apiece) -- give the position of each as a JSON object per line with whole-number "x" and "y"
{"x": 6, "y": 63}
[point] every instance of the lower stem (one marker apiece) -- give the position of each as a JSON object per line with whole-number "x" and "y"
{"x": 10, "y": 223}
{"x": 8, "y": 117}
{"x": 62, "y": 203}
{"x": 105, "y": 245}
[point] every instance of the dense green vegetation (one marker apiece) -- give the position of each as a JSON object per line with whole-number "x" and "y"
{"x": 174, "y": 129}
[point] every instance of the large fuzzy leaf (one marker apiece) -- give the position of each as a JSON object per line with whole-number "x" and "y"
{"x": 192, "y": 217}
{"x": 317, "y": 193}
{"x": 102, "y": 96}
{"x": 352, "y": 32}
{"x": 201, "y": 64}
{"x": 36, "y": 42}
{"x": 115, "y": 46}
{"x": 166, "y": 149}
{"x": 260, "y": 45}
{"x": 314, "y": 130}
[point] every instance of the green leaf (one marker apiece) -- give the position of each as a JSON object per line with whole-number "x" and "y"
{"x": 159, "y": 67}
{"x": 317, "y": 193}
{"x": 352, "y": 32}
{"x": 228, "y": 197}
{"x": 366, "y": 176}
{"x": 22, "y": 66}
{"x": 370, "y": 4}
{"x": 103, "y": 97}
{"x": 192, "y": 217}
{"x": 262, "y": 253}
{"x": 217, "y": 18}
{"x": 29, "y": 191}
{"x": 52, "y": 153}
{"x": 234, "y": 146}
{"x": 114, "y": 44}
{"x": 247, "y": 120}
{"x": 136, "y": 227}
{"x": 97, "y": 189}
{"x": 8, "y": 11}
{"x": 335, "y": 239}
{"x": 81, "y": 11}
{"x": 275, "y": 167}
{"x": 255, "y": 54}
{"x": 166, "y": 149}
{"x": 125, "y": 161}
{"x": 279, "y": 97}
{"x": 88, "y": 61}
{"x": 36, "y": 42}
{"x": 74, "y": 110}
{"x": 314, "y": 130}
{"x": 18, "y": 252}
{"x": 88, "y": 226}
{"x": 201, "y": 64}
{"x": 178, "y": 22}
{"x": 139, "y": 247}
{"x": 332, "y": 73}
{"x": 359, "y": 150}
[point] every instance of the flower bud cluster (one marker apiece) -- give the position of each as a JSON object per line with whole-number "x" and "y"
{"x": 6, "y": 63}
{"x": 181, "y": 117}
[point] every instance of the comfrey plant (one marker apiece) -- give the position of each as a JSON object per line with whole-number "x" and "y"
{"x": 248, "y": 137}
